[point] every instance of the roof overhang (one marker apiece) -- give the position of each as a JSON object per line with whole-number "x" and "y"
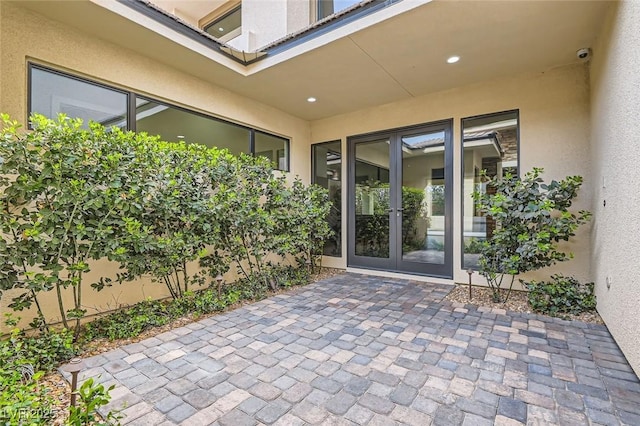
{"x": 396, "y": 53}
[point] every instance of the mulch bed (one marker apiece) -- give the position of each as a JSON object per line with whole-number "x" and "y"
{"x": 517, "y": 302}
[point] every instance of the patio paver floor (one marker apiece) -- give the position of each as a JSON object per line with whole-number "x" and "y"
{"x": 356, "y": 349}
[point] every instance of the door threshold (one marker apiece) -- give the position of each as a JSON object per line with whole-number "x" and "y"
{"x": 399, "y": 275}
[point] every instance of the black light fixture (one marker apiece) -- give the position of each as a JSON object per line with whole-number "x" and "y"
{"x": 219, "y": 280}
{"x": 75, "y": 366}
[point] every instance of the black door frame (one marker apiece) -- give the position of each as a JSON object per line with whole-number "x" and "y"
{"x": 395, "y": 263}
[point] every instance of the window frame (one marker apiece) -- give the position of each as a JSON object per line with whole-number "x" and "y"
{"x": 515, "y": 111}
{"x": 31, "y": 66}
{"x": 131, "y": 108}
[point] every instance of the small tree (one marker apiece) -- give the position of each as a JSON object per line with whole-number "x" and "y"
{"x": 301, "y": 226}
{"x": 63, "y": 193}
{"x": 176, "y": 219}
{"x": 245, "y": 217}
{"x": 531, "y": 219}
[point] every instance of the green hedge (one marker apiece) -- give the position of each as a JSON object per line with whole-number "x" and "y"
{"x": 71, "y": 194}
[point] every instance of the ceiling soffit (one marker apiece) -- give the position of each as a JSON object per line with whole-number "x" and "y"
{"x": 396, "y": 58}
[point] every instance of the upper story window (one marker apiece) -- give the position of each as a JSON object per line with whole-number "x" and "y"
{"x": 53, "y": 92}
{"x": 227, "y": 26}
{"x": 329, "y": 7}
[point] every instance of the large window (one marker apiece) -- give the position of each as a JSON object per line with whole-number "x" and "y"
{"x": 52, "y": 92}
{"x": 327, "y": 172}
{"x": 490, "y": 143}
{"x": 227, "y": 26}
{"x": 174, "y": 124}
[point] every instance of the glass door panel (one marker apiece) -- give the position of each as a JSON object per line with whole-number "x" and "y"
{"x": 423, "y": 197}
{"x": 372, "y": 199}
{"x": 400, "y": 200}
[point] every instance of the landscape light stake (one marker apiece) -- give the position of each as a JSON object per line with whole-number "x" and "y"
{"x": 219, "y": 280}
{"x": 74, "y": 367}
{"x": 470, "y": 272}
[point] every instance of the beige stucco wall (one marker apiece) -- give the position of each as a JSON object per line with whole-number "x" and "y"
{"x": 615, "y": 152}
{"x": 28, "y": 36}
{"x": 554, "y": 134}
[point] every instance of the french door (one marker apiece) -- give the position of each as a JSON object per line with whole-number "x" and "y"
{"x": 400, "y": 200}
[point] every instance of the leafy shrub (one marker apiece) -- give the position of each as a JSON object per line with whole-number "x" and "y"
{"x": 24, "y": 360}
{"x": 531, "y": 219}
{"x": 43, "y": 351}
{"x": 291, "y": 276}
{"x": 177, "y": 218}
{"x": 561, "y": 295}
{"x": 129, "y": 322}
{"x": 300, "y": 214}
{"x": 254, "y": 287}
{"x": 47, "y": 350}
{"x": 201, "y": 302}
{"x": 473, "y": 245}
{"x": 70, "y": 195}
{"x": 23, "y": 400}
{"x": 64, "y": 192}
{"x": 92, "y": 396}
{"x": 132, "y": 321}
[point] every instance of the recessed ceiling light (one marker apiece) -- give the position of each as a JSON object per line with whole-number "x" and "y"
{"x": 180, "y": 137}
{"x": 453, "y": 59}
{"x": 221, "y": 29}
{"x": 311, "y": 99}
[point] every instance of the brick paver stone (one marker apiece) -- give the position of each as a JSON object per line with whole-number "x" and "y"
{"x": 354, "y": 349}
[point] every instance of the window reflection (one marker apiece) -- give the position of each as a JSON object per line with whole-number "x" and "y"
{"x": 490, "y": 143}
{"x": 52, "y": 93}
{"x": 327, "y": 170}
{"x": 329, "y": 7}
{"x": 175, "y": 124}
{"x": 423, "y": 197}
{"x": 372, "y": 199}
{"x": 227, "y": 26}
{"x": 272, "y": 147}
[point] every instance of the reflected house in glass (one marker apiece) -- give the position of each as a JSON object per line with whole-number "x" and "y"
{"x": 327, "y": 172}
{"x": 490, "y": 143}
{"x": 423, "y": 191}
